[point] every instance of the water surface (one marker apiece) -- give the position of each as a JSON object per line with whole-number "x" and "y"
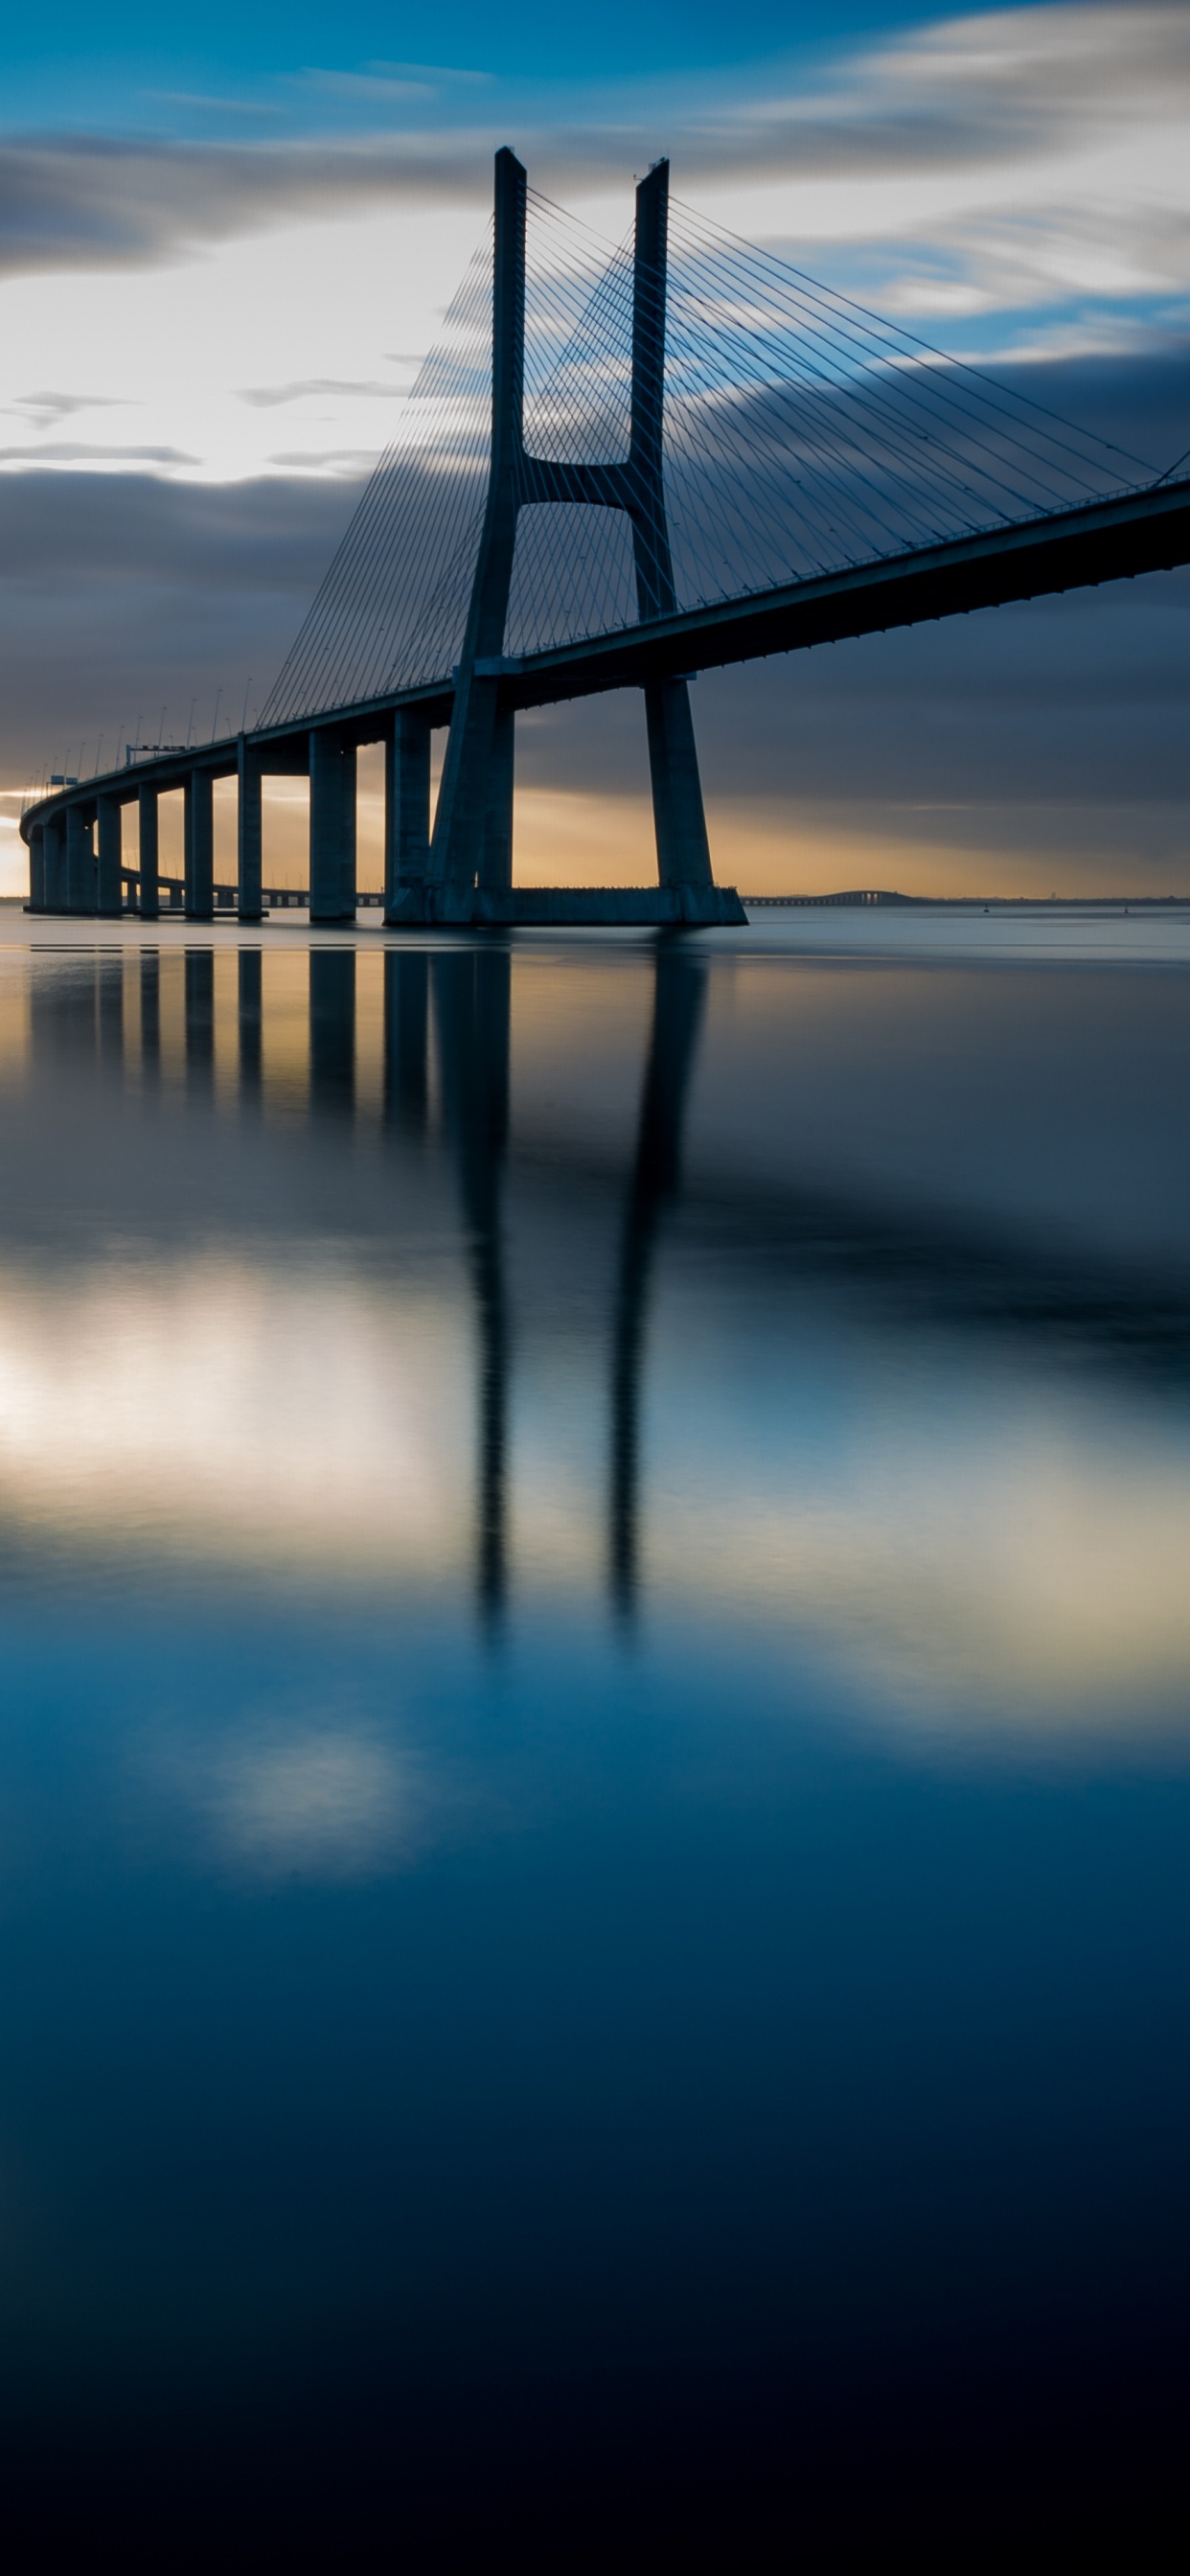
{"x": 595, "y": 1746}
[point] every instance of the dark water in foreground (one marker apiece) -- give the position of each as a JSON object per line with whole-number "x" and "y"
{"x": 594, "y": 1743}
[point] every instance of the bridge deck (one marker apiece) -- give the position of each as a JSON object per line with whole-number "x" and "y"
{"x": 1119, "y": 539}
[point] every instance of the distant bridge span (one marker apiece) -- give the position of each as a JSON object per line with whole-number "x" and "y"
{"x": 460, "y": 869}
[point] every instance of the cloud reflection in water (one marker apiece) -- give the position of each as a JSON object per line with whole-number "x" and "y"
{"x": 520, "y": 1318}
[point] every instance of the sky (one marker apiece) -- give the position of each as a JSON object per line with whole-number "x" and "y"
{"x": 221, "y": 262}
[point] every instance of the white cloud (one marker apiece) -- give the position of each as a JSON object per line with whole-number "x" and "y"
{"x": 1027, "y": 163}
{"x": 310, "y": 311}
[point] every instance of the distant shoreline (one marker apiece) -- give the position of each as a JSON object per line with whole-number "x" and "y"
{"x": 972, "y": 902}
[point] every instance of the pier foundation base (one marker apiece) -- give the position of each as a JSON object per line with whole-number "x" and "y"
{"x": 567, "y": 907}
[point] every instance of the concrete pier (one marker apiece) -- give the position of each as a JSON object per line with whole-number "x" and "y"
{"x": 332, "y": 826}
{"x": 110, "y": 835}
{"x": 406, "y": 806}
{"x": 671, "y": 907}
{"x": 147, "y": 818}
{"x": 80, "y": 860}
{"x": 52, "y": 843}
{"x": 683, "y": 852}
{"x": 250, "y": 834}
{"x": 57, "y": 887}
{"x": 37, "y": 876}
{"x": 200, "y": 845}
{"x": 495, "y": 858}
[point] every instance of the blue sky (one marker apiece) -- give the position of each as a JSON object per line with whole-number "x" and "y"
{"x": 220, "y": 262}
{"x": 142, "y": 68}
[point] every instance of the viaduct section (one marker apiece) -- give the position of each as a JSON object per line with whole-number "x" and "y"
{"x": 459, "y": 869}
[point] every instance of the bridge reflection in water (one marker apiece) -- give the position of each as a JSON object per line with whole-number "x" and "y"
{"x": 472, "y": 994}
{"x": 472, "y": 1020}
{"x": 439, "y": 1179}
{"x": 457, "y": 1001}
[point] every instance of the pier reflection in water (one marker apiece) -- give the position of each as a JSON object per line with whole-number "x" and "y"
{"x": 596, "y": 1742}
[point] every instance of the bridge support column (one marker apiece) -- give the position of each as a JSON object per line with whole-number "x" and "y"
{"x": 53, "y": 862}
{"x": 147, "y": 813}
{"x": 332, "y": 827}
{"x": 200, "y": 846}
{"x": 683, "y": 851}
{"x": 250, "y": 835}
{"x": 110, "y": 833}
{"x": 683, "y": 854}
{"x": 80, "y": 861}
{"x": 460, "y": 828}
{"x": 57, "y": 866}
{"x": 62, "y": 902}
{"x": 37, "y": 839}
{"x": 495, "y": 863}
{"x": 406, "y": 806}
{"x": 462, "y": 841}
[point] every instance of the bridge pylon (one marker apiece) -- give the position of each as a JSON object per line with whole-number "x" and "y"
{"x": 468, "y": 863}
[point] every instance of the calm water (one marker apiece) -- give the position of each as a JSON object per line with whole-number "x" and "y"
{"x": 595, "y": 1735}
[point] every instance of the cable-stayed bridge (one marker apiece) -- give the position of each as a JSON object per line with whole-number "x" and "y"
{"x": 616, "y": 468}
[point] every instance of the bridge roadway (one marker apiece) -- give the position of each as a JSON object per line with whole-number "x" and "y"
{"x": 1134, "y": 533}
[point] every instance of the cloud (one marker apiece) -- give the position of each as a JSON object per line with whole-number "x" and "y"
{"x": 46, "y": 410}
{"x": 75, "y": 451}
{"x": 120, "y": 589}
{"x": 96, "y": 202}
{"x": 263, "y": 397}
{"x": 345, "y": 461}
{"x": 372, "y": 88}
{"x": 1052, "y": 136}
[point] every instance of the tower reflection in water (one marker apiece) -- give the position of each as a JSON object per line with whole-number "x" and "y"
{"x": 472, "y": 995}
{"x": 929, "y": 1238}
{"x": 472, "y": 1020}
{"x": 454, "y": 1004}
